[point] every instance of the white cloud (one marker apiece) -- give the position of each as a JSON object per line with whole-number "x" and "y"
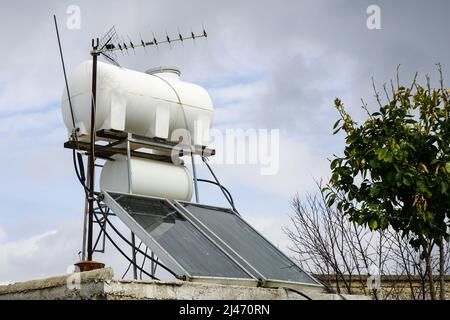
{"x": 26, "y": 248}
{"x": 20, "y": 259}
{"x": 271, "y": 228}
{"x": 48, "y": 254}
{"x": 3, "y": 235}
{"x": 299, "y": 166}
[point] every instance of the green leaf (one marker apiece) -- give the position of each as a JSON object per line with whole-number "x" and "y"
{"x": 422, "y": 186}
{"x": 336, "y": 124}
{"x": 447, "y": 167}
{"x": 444, "y": 187}
{"x": 335, "y": 178}
{"x": 334, "y": 164}
{"x": 331, "y": 200}
{"x": 381, "y": 153}
{"x": 388, "y": 156}
{"x": 373, "y": 224}
{"x": 384, "y": 222}
{"x": 406, "y": 181}
{"x": 374, "y": 163}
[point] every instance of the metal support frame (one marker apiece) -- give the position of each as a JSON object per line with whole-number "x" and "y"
{"x": 153, "y": 265}
{"x": 85, "y": 226}
{"x": 115, "y": 140}
{"x": 130, "y": 191}
{"x": 121, "y": 142}
{"x": 194, "y": 172}
{"x": 101, "y": 236}
{"x": 115, "y": 145}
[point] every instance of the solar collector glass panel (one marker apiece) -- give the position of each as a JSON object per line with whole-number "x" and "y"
{"x": 251, "y": 246}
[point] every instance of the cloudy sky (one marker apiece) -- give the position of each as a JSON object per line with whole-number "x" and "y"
{"x": 267, "y": 64}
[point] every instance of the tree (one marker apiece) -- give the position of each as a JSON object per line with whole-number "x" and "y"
{"x": 395, "y": 171}
{"x": 343, "y": 254}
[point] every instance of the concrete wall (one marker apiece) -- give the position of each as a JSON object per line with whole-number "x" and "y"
{"x": 100, "y": 284}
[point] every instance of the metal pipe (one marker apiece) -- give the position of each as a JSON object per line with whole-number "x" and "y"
{"x": 86, "y": 212}
{"x": 130, "y": 186}
{"x": 86, "y": 205}
{"x": 64, "y": 71}
{"x": 94, "y": 54}
{"x": 218, "y": 182}
{"x": 85, "y": 221}
{"x": 130, "y": 191}
{"x": 153, "y": 265}
{"x": 133, "y": 243}
{"x": 194, "y": 172}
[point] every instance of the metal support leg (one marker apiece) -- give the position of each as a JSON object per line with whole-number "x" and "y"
{"x": 133, "y": 242}
{"x": 194, "y": 172}
{"x": 130, "y": 186}
{"x": 95, "y": 55}
{"x": 153, "y": 269}
{"x": 130, "y": 191}
{"x": 85, "y": 222}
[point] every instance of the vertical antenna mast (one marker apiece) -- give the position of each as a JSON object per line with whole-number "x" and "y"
{"x": 94, "y": 53}
{"x": 74, "y": 133}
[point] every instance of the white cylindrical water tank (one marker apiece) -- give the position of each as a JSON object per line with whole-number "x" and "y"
{"x": 153, "y": 104}
{"x": 148, "y": 177}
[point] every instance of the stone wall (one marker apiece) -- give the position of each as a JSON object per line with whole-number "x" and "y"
{"x": 391, "y": 287}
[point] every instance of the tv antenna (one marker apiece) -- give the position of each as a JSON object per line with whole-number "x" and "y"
{"x": 113, "y": 45}
{"x": 110, "y": 44}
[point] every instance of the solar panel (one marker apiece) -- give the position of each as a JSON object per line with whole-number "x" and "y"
{"x": 204, "y": 241}
{"x": 240, "y": 238}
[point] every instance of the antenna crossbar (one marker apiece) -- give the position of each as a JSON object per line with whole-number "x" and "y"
{"x": 125, "y": 46}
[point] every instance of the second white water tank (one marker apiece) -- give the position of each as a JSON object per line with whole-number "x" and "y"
{"x": 148, "y": 177}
